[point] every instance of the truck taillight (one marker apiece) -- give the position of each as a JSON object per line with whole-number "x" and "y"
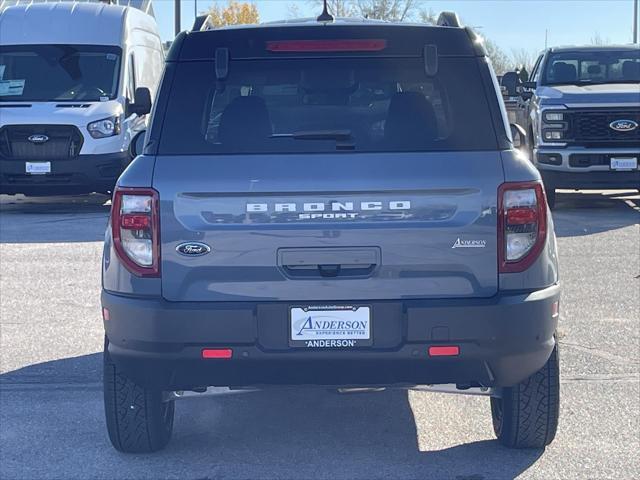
{"x": 522, "y": 225}
{"x": 135, "y": 229}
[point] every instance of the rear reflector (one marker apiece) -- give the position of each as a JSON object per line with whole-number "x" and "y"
{"x": 217, "y": 353}
{"x": 106, "y": 316}
{"x": 555, "y": 309}
{"x": 355, "y": 45}
{"x": 444, "y": 351}
{"x": 132, "y": 221}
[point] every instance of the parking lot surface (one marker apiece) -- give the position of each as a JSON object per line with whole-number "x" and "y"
{"x": 51, "y": 414}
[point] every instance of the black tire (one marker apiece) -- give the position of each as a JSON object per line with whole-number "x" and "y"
{"x": 138, "y": 421}
{"x": 527, "y": 414}
{"x": 551, "y": 196}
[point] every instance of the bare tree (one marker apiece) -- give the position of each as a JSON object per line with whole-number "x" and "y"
{"x": 523, "y": 58}
{"x": 597, "y": 39}
{"x": 392, "y": 10}
{"x": 500, "y": 60}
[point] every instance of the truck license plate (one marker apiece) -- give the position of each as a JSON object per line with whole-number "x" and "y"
{"x": 38, "y": 168}
{"x": 628, "y": 163}
{"x": 330, "y": 326}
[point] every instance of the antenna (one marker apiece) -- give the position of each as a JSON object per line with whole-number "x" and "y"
{"x": 325, "y": 16}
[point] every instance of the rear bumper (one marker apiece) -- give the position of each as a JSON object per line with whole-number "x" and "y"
{"x": 82, "y": 174}
{"x": 502, "y": 341}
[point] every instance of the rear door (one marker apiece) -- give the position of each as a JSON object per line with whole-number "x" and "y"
{"x": 334, "y": 179}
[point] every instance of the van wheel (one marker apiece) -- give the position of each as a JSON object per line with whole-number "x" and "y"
{"x": 527, "y": 414}
{"x": 551, "y": 196}
{"x": 138, "y": 420}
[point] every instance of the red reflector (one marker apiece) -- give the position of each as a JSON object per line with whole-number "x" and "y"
{"x": 369, "y": 45}
{"x": 217, "y": 353}
{"x": 135, "y": 221}
{"x": 521, "y": 216}
{"x": 444, "y": 350}
{"x": 555, "y": 309}
{"x": 105, "y": 314}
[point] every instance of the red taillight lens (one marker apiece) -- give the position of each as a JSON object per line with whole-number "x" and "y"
{"x": 522, "y": 225}
{"x": 352, "y": 45}
{"x": 135, "y": 230}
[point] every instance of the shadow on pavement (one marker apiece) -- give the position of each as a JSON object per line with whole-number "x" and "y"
{"x": 52, "y": 414}
{"x": 62, "y": 219}
{"x": 587, "y": 212}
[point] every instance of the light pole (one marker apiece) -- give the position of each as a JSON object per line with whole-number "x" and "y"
{"x": 176, "y": 14}
{"x": 635, "y": 21}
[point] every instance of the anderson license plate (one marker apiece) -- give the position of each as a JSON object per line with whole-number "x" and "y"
{"x": 330, "y": 326}
{"x": 622, "y": 163}
{"x": 37, "y": 168}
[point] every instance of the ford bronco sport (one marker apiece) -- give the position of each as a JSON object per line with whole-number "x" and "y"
{"x": 583, "y": 117}
{"x": 330, "y": 203}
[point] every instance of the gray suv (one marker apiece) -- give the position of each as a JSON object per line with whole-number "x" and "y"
{"x": 583, "y": 117}
{"x": 336, "y": 204}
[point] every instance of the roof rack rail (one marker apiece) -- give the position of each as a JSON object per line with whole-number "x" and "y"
{"x": 202, "y": 23}
{"x": 449, "y": 19}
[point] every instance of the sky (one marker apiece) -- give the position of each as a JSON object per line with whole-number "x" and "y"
{"x": 512, "y": 24}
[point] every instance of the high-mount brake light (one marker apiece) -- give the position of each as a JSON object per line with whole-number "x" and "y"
{"x": 348, "y": 45}
{"x": 522, "y": 225}
{"x": 135, "y": 230}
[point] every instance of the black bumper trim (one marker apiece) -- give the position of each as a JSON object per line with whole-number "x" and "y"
{"x": 502, "y": 340}
{"x": 81, "y": 174}
{"x": 594, "y": 179}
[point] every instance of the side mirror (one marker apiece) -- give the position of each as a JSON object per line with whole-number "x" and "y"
{"x": 519, "y": 135}
{"x": 136, "y": 146}
{"x": 510, "y": 82}
{"x": 142, "y": 101}
{"x": 531, "y": 85}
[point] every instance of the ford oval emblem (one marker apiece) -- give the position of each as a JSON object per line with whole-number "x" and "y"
{"x": 38, "y": 138}
{"x": 193, "y": 249}
{"x": 623, "y": 125}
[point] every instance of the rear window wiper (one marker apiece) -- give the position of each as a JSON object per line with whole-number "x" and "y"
{"x": 344, "y": 138}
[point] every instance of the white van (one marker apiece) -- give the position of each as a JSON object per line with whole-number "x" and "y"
{"x": 76, "y": 83}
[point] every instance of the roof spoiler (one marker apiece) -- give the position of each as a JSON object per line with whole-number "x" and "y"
{"x": 202, "y": 23}
{"x": 449, "y": 19}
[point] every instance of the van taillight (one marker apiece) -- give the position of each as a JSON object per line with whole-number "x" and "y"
{"x": 135, "y": 229}
{"x": 522, "y": 225}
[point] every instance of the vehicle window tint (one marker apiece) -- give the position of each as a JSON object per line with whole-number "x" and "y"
{"x": 58, "y": 72}
{"x": 604, "y": 66}
{"x": 328, "y": 105}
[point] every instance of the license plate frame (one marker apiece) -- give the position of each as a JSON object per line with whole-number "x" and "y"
{"x": 304, "y": 319}
{"x": 623, "y": 164}
{"x": 37, "y": 168}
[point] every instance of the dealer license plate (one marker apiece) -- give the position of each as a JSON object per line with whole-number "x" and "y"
{"x": 624, "y": 163}
{"x": 38, "y": 168}
{"x": 330, "y": 326}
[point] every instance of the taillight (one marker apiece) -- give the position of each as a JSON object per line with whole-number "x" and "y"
{"x": 135, "y": 229}
{"x": 522, "y": 225}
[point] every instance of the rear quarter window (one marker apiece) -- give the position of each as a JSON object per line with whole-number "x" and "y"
{"x": 327, "y": 105}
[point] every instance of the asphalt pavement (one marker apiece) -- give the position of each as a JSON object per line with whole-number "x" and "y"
{"x": 51, "y": 414}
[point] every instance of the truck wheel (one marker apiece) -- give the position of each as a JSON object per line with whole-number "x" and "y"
{"x": 138, "y": 420}
{"x": 551, "y": 196}
{"x": 527, "y": 414}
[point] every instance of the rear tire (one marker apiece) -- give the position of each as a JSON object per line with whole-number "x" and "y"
{"x": 138, "y": 420}
{"x": 527, "y": 414}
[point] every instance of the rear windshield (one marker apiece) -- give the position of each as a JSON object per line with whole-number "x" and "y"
{"x": 327, "y": 105}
